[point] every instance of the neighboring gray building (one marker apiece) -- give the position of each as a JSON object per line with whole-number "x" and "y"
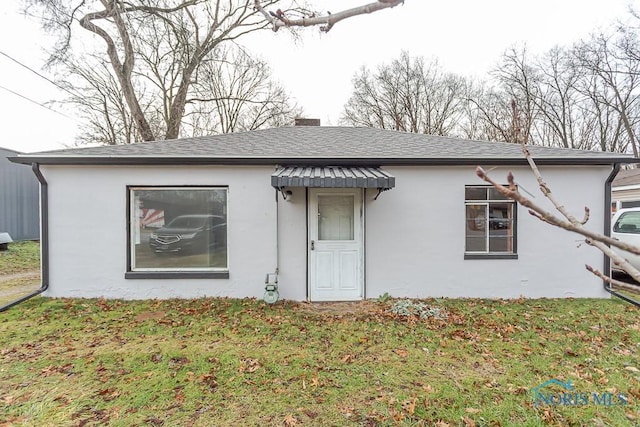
{"x": 19, "y": 200}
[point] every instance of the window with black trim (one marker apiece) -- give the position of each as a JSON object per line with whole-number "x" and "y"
{"x": 490, "y": 223}
{"x": 177, "y": 230}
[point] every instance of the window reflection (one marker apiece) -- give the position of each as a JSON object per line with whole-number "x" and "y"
{"x": 178, "y": 229}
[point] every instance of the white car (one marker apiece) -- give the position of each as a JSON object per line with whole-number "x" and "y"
{"x": 626, "y": 227}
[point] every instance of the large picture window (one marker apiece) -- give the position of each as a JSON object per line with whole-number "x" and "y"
{"x": 177, "y": 231}
{"x": 490, "y": 223}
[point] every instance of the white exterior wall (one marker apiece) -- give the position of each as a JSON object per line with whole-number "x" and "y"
{"x": 292, "y": 224}
{"x": 414, "y": 235}
{"x": 88, "y": 231}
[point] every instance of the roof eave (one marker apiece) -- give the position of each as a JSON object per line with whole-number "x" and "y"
{"x": 313, "y": 161}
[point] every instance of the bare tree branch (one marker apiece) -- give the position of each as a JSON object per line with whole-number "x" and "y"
{"x": 613, "y": 282}
{"x": 279, "y": 19}
{"x": 574, "y": 225}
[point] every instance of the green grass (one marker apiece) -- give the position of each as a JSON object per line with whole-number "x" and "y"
{"x": 240, "y": 362}
{"x": 20, "y": 257}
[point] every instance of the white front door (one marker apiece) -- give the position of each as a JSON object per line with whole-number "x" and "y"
{"x": 336, "y": 245}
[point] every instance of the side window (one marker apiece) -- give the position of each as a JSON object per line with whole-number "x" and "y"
{"x": 171, "y": 231}
{"x": 490, "y": 222}
{"x": 629, "y": 222}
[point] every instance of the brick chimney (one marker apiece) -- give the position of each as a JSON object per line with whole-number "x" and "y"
{"x": 299, "y": 121}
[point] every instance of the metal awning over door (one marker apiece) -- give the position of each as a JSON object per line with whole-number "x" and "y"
{"x": 332, "y": 177}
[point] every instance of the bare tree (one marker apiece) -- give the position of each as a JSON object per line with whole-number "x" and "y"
{"x": 562, "y": 120}
{"x": 618, "y": 73}
{"x": 184, "y": 34}
{"x": 599, "y": 119}
{"x": 582, "y": 97}
{"x": 100, "y": 101}
{"x": 488, "y": 116}
{"x": 406, "y": 95}
{"x": 234, "y": 92}
{"x": 519, "y": 83}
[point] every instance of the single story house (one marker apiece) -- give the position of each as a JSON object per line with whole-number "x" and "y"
{"x": 329, "y": 213}
{"x": 19, "y": 199}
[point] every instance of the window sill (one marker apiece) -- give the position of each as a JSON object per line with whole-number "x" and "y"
{"x": 176, "y": 275}
{"x": 490, "y": 256}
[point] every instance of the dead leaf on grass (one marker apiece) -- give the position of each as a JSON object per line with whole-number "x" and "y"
{"x": 348, "y": 358}
{"x": 179, "y": 394}
{"x": 249, "y": 365}
{"x": 290, "y": 420}
{"x": 209, "y": 380}
{"x": 178, "y": 361}
{"x": 52, "y": 369}
{"x": 570, "y": 352}
{"x": 154, "y": 421}
{"x": 409, "y": 406}
{"x": 315, "y": 381}
{"x": 471, "y": 410}
{"x": 109, "y": 394}
{"x": 10, "y": 422}
{"x": 150, "y": 315}
{"x": 402, "y": 352}
{"x": 347, "y": 411}
{"x": 468, "y": 422}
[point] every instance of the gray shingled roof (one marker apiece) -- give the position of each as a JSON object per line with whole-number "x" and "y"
{"x": 627, "y": 177}
{"x": 319, "y": 145}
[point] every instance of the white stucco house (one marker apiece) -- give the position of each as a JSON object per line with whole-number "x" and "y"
{"x": 336, "y": 213}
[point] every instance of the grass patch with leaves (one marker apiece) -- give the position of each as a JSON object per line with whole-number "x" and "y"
{"x": 20, "y": 257}
{"x": 231, "y": 362}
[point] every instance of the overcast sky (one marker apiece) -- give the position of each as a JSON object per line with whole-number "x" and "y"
{"x": 466, "y": 36}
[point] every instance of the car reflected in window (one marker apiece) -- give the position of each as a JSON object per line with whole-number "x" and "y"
{"x": 190, "y": 234}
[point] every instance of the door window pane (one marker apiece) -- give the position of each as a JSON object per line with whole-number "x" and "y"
{"x": 335, "y": 217}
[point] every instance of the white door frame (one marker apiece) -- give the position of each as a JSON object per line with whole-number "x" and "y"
{"x": 335, "y": 267}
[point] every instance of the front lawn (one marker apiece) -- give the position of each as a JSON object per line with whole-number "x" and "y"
{"x": 227, "y": 362}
